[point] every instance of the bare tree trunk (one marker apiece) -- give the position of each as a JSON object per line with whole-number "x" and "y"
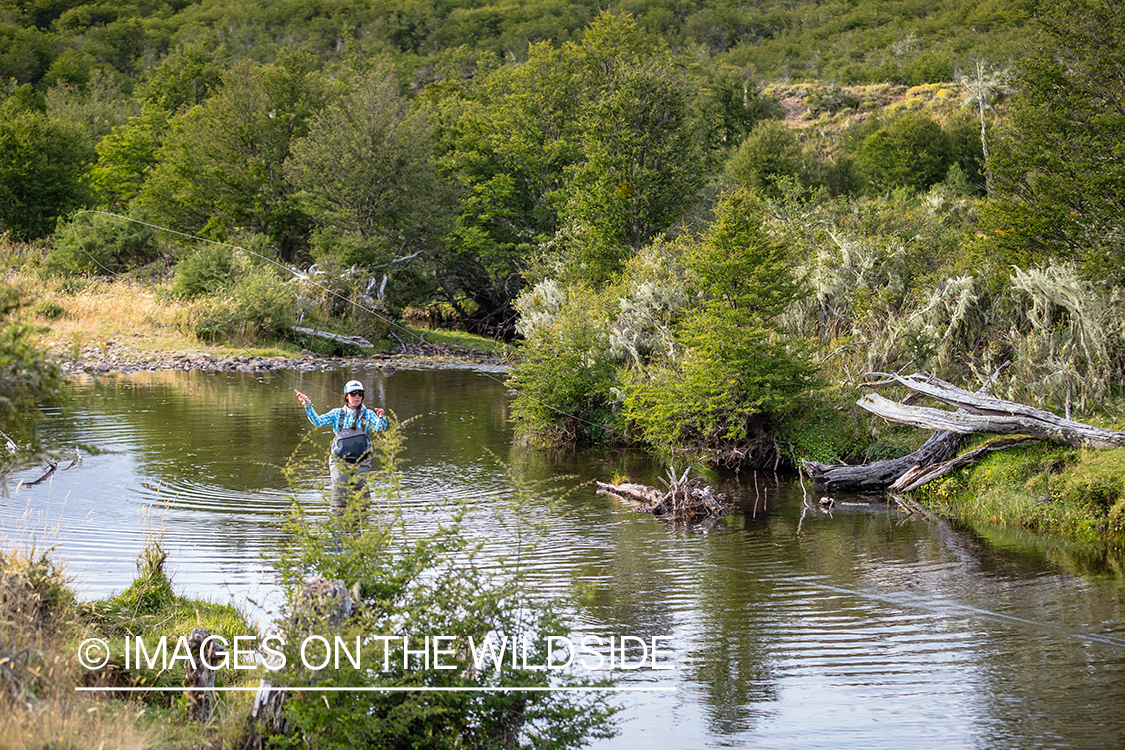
{"x": 205, "y": 651}
{"x": 976, "y": 412}
{"x": 982, "y": 414}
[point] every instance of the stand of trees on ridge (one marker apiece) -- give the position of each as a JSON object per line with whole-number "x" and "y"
{"x": 627, "y": 190}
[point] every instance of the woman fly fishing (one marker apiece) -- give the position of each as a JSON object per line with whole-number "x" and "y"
{"x": 353, "y": 424}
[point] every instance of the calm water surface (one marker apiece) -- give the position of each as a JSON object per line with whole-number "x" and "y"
{"x": 792, "y": 627}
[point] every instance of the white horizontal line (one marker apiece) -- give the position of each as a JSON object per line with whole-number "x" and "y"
{"x": 373, "y": 689}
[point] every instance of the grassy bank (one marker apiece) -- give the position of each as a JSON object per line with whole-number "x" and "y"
{"x": 41, "y": 628}
{"x": 75, "y": 314}
{"x": 1076, "y": 494}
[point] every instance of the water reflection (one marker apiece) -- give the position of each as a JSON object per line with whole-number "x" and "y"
{"x": 793, "y": 626}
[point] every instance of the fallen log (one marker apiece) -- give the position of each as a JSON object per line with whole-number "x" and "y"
{"x": 983, "y": 414}
{"x": 939, "y": 447}
{"x": 358, "y": 341}
{"x": 686, "y": 499}
{"x": 976, "y": 413}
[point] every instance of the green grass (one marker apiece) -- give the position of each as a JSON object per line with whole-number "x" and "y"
{"x": 459, "y": 338}
{"x": 149, "y": 609}
{"x": 1057, "y": 490}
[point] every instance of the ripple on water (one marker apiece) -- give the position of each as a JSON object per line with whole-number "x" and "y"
{"x": 790, "y": 628}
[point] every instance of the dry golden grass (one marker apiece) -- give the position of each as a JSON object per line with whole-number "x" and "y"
{"x": 40, "y": 633}
{"x": 98, "y": 311}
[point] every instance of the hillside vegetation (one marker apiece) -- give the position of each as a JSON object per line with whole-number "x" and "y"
{"x": 702, "y": 222}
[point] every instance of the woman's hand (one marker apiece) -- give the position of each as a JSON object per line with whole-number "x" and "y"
{"x": 305, "y": 401}
{"x": 378, "y": 412}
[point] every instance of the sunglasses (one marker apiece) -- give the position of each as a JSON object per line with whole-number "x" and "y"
{"x": 356, "y": 393}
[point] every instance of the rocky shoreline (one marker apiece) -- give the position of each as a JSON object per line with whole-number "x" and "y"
{"x": 117, "y": 357}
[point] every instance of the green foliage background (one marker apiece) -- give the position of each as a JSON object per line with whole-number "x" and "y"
{"x": 554, "y": 173}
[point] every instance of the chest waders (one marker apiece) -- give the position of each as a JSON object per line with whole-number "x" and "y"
{"x": 350, "y": 459}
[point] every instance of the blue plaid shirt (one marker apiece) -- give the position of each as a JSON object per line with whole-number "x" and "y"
{"x": 370, "y": 420}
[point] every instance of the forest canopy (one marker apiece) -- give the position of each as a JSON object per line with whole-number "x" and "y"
{"x": 930, "y": 185}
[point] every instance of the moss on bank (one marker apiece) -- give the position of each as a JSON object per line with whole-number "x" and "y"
{"x": 1074, "y": 493}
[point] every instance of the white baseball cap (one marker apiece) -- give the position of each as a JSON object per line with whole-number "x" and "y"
{"x": 353, "y": 385}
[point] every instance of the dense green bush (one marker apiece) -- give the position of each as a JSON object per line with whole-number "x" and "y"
{"x": 261, "y": 304}
{"x": 99, "y": 244}
{"x": 564, "y": 382}
{"x": 770, "y": 153}
{"x": 419, "y": 577}
{"x": 42, "y": 164}
{"x": 208, "y": 270}
{"x": 911, "y": 151}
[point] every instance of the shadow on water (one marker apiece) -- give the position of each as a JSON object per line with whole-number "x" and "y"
{"x": 793, "y": 624}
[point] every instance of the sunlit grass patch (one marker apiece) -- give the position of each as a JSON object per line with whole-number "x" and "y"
{"x": 1078, "y": 494}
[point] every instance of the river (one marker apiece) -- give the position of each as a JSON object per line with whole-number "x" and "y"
{"x": 791, "y": 625}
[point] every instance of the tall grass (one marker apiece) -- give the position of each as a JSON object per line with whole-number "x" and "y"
{"x": 41, "y": 627}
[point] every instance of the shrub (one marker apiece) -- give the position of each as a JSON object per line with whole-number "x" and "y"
{"x": 407, "y": 581}
{"x": 208, "y": 270}
{"x": 770, "y": 153}
{"x": 100, "y": 244}
{"x": 48, "y": 309}
{"x": 911, "y": 151}
{"x": 830, "y": 99}
{"x": 565, "y": 380}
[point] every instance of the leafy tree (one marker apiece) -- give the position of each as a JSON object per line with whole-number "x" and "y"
{"x": 911, "y": 151}
{"x": 188, "y": 76}
{"x": 127, "y": 155}
{"x": 644, "y": 164}
{"x": 94, "y": 108}
{"x": 769, "y": 154}
{"x": 27, "y": 379}
{"x": 42, "y": 163}
{"x": 735, "y": 368}
{"x": 221, "y": 165}
{"x": 1058, "y": 168}
{"x": 366, "y": 169}
{"x": 511, "y": 137}
{"x": 25, "y": 52}
{"x": 734, "y": 102}
{"x": 510, "y": 145}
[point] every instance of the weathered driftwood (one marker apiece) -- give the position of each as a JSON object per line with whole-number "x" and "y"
{"x": 359, "y": 341}
{"x": 685, "y": 499}
{"x": 983, "y": 414}
{"x": 880, "y": 474}
{"x": 317, "y": 607}
{"x": 207, "y": 653}
{"x": 976, "y": 413}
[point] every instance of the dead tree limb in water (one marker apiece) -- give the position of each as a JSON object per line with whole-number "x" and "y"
{"x": 686, "y": 499}
{"x": 983, "y": 414}
{"x": 976, "y": 412}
